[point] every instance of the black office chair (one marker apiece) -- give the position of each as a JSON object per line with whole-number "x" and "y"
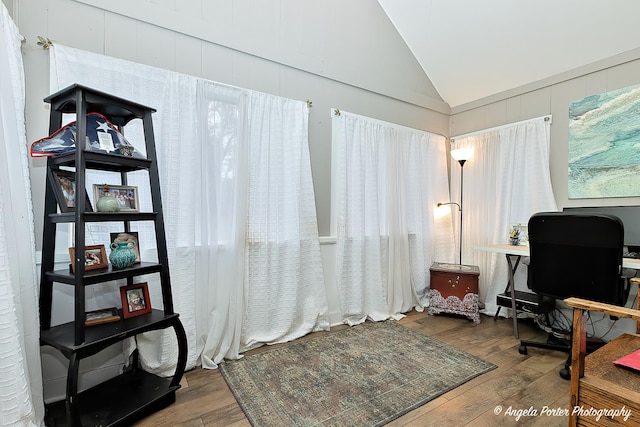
{"x": 575, "y": 255}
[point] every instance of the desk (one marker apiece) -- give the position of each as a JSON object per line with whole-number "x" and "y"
{"x": 514, "y": 255}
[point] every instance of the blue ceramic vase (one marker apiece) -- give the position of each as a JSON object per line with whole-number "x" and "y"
{"x": 122, "y": 254}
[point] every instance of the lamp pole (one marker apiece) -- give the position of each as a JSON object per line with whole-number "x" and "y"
{"x": 461, "y": 155}
{"x": 461, "y": 161}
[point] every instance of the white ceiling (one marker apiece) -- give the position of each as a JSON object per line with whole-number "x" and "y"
{"x": 471, "y": 49}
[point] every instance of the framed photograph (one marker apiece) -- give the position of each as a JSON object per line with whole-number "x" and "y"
{"x": 519, "y": 235}
{"x": 95, "y": 256}
{"x": 64, "y": 188}
{"x": 131, "y": 237}
{"x": 126, "y": 195}
{"x": 98, "y": 317}
{"x": 135, "y": 300}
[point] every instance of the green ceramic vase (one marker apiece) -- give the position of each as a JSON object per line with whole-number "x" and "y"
{"x": 122, "y": 254}
{"x": 108, "y": 204}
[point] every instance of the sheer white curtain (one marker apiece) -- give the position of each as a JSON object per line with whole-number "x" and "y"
{"x": 506, "y": 181}
{"x": 263, "y": 258}
{"x": 285, "y": 291}
{"x": 388, "y": 182}
{"x": 221, "y": 193}
{"x": 231, "y": 161}
{"x": 22, "y": 401}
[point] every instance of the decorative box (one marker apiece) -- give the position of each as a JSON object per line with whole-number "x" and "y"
{"x": 454, "y": 290}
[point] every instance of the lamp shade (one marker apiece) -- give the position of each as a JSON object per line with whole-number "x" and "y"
{"x": 462, "y": 153}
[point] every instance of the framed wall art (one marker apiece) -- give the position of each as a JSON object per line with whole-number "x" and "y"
{"x": 603, "y": 145}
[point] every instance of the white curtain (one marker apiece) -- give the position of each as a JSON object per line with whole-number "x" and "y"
{"x": 218, "y": 147}
{"x": 21, "y": 399}
{"x": 506, "y": 180}
{"x": 285, "y": 291}
{"x": 265, "y": 274}
{"x": 389, "y": 180}
{"x": 221, "y": 161}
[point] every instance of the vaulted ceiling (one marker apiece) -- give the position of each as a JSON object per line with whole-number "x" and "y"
{"x": 472, "y": 49}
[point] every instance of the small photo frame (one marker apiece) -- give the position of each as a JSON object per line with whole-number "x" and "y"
{"x": 135, "y": 300}
{"x": 126, "y": 195}
{"x": 64, "y": 188}
{"x": 132, "y": 237}
{"x": 98, "y": 317}
{"x": 519, "y": 234}
{"x": 95, "y": 257}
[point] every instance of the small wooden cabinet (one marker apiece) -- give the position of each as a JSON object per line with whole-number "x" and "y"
{"x": 454, "y": 290}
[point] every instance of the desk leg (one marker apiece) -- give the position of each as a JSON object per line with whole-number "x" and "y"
{"x": 512, "y": 289}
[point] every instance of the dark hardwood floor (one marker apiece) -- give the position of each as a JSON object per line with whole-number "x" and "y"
{"x": 519, "y": 384}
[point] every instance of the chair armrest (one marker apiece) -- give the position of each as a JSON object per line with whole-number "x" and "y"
{"x": 613, "y": 310}
{"x": 579, "y": 338}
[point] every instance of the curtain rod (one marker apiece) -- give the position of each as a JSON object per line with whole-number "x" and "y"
{"x": 335, "y": 112}
{"x": 547, "y": 118}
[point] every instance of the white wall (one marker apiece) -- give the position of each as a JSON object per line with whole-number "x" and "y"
{"x": 9, "y": 6}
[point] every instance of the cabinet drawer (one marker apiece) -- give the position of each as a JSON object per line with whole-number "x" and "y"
{"x": 454, "y": 283}
{"x": 454, "y": 280}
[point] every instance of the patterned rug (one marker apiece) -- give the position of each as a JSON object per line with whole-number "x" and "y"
{"x": 366, "y": 375}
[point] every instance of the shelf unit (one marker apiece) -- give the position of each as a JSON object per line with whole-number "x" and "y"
{"x": 134, "y": 393}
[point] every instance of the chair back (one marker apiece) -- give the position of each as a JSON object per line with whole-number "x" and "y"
{"x": 577, "y": 255}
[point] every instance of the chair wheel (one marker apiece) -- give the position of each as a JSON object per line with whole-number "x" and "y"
{"x": 522, "y": 349}
{"x": 565, "y": 374}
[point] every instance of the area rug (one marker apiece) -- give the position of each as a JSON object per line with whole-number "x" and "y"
{"x": 366, "y": 375}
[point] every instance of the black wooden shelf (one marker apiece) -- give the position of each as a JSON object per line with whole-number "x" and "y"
{"x": 69, "y": 217}
{"x": 101, "y": 336}
{"x": 104, "y": 161}
{"x": 145, "y": 393}
{"x": 134, "y": 393}
{"x": 119, "y": 111}
{"x": 92, "y": 277}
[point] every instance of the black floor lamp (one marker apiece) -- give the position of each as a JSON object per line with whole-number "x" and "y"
{"x": 454, "y": 288}
{"x": 461, "y": 155}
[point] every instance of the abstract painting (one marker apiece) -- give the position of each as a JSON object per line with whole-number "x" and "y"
{"x": 604, "y": 145}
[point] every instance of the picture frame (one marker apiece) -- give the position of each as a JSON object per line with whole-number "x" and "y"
{"x": 98, "y": 317}
{"x": 521, "y": 231}
{"x": 95, "y": 257}
{"x": 64, "y": 189}
{"x": 131, "y": 236}
{"x": 135, "y": 300}
{"x": 126, "y": 195}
